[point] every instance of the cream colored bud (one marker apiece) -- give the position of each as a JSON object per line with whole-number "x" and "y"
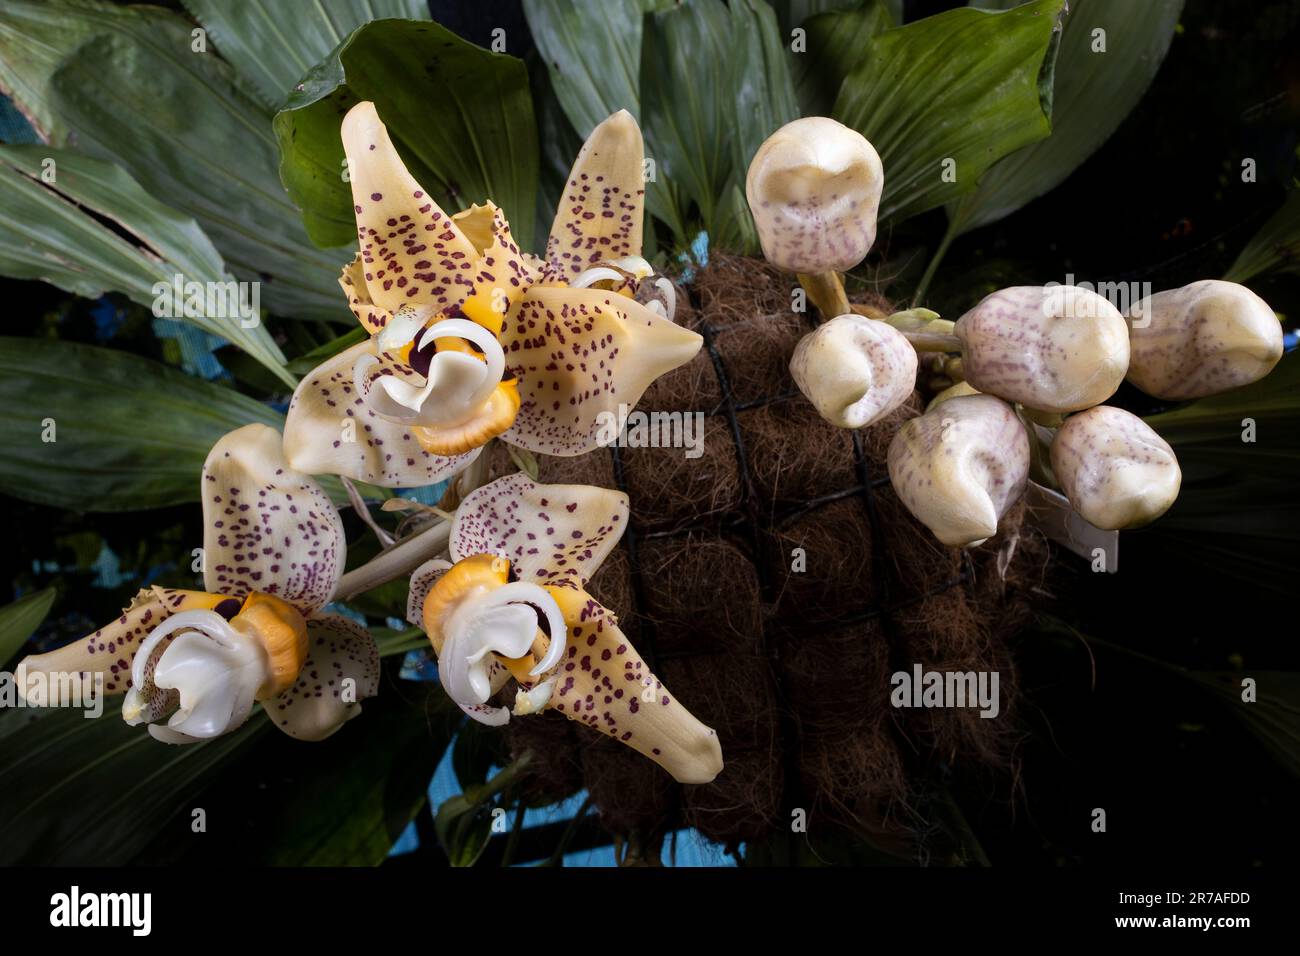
{"x": 959, "y": 467}
{"x": 1052, "y": 348}
{"x": 814, "y": 189}
{"x": 1116, "y": 471}
{"x": 854, "y": 370}
{"x": 1205, "y": 338}
{"x": 955, "y": 390}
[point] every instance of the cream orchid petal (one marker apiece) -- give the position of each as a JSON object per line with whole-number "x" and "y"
{"x": 814, "y": 188}
{"x": 267, "y": 527}
{"x": 1115, "y": 470}
{"x": 352, "y": 280}
{"x": 578, "y": 354}
{"x": 111, "y": 650}
{"x": 547, "y": 532}
{"x": 1203, "y": 339}
{"x": 215, "y": 670}
{"x": 423, "y": 579}
{"x": 499, "y": 621}
{"x": 959, "y": 467}
{"x": 603, "y": 682}
{"x": 330, "y": 430}
{"x": 341, "y": 670}
{"x": 411, "y": 251}
{"x": 601, "y": 213}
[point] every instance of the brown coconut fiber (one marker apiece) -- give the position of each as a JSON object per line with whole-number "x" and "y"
{"x": 775, "y": 583}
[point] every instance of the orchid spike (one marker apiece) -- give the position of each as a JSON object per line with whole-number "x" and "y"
{"x": 513, "y": 605}
{"x": 273, "y": 553}
{"x": 472, "y": 338}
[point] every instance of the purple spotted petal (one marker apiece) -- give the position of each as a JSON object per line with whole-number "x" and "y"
{"x": 267, "y": 527}
{"x": 578, "y": 355}
{"x": 341, "y": 670}
{"x": 548, "y": 532}
{"x": 111, "y": 649}
{"x": 331, "y": 431}
{"x": 600, "y": 214}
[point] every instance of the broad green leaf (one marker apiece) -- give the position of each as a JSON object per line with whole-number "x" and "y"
{"x": 94, "y": 791}
{"x": 1095, "y": 89}
{"x": 1275, "y": 246}
{"x": 461, "y": 116}
{"x": 687, "y": 123}
{"x": 953, "y": 92}
{"x": 56, "y": 205}
{"x": 1237, "y": 513}
{"x": 763, "y": 91}
{"x": 123, "y": 83}
{"x": 592, "y": 54}
{"x": 835, "y": 39}
{"x": 342, "y": 801}
{"x": 20, "y": 619}
{"x": 273, "y": 44}
{"x": 464, "y": 822}
{"x": 127, "y": 433}
{"x": 308, "y": 361}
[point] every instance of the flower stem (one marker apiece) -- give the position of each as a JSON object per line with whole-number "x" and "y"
{"x": 401, "y": 559}
{"x": 933, "y": 341}
{"x": 827, "y": 293}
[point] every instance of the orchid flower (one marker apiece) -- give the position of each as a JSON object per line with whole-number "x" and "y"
{"x": 511, "y": 604}
{"x": 470, "y": 337}
{"x": 273, "y": 553}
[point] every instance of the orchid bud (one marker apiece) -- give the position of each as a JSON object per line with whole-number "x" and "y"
{"x": 959, "y": 467}
{"x": 1116, "y": 471}
{"x": 1205, "y": 338}
{"x": 814, "y": 189}
{"x": 1051, "y": 348}
{"x": 854, "y": 370}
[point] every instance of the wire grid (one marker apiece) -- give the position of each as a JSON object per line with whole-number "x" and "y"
{"x": 748, "y": 524}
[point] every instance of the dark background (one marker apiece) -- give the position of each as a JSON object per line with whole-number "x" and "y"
{"x": 1110, "y": 723}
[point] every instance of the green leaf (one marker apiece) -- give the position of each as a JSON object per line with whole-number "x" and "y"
{"x": 57, "y": 203}
{"x": 1275, "y": 246}
{"x": 342, "y": 801}
{"x": 1237, "y": 514}
{"x": 592, "y": 53}
{"x": 1094, "y": 91}
{"x": 19, "y": 620}
{"x": 275, "y": 44}
{"x": 129, "y": 433}
{"x": 304, "y": 363}
{"x": 1273, "y": 718}
{"x": 963, "y": 86}
{"x": 762, "y": 91}
{"x": 716, "y": 83}
{"x": 464, "y": 822}
{"x": 125, "y": 85}
{"x": 94, "y": 791}
{"x": 461, "y": 116}
{"x": 836, "y": 40}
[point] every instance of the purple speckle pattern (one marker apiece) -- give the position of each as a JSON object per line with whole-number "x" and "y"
{"x": 548, "y": 532}
{"x": 111, "y": 649}
{"x": 580, "y": 352}
{"x": 601, "y": 212}
{"x": 268, "y": 528}
{"x": 380, "y": 452}
{"x": 1056, "y": 349}
{"x": 338, "y": 650}
{"x": 960, "y": 466}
